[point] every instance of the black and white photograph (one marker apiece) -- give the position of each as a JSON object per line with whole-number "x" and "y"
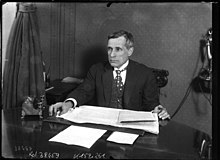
{"x": 107, "y": 80}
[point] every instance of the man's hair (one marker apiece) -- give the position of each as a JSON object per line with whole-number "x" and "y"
{"x": 128, "y": 36}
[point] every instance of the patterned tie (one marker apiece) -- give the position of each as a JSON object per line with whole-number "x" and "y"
{"x": 118, "y": 80}
{"x": 117, "y": 90}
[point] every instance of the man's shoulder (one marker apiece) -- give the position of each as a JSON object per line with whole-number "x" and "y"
{"x": 141, "y": 70}
{"x": 140, "y": 66}
{"x": 100, "y": 65}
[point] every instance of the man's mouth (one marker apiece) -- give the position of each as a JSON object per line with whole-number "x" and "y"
{"x": 113, "y": 60}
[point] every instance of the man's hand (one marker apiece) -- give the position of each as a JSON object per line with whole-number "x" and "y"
{"x": 162, "y": 112}
{"x": 59, "y": 108}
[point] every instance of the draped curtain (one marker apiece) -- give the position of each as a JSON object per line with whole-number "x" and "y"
{"x": 23, "y": 73}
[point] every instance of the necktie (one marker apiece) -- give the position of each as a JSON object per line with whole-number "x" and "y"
{"x": 117, "y": 90}
{"x": 118, "y": 79}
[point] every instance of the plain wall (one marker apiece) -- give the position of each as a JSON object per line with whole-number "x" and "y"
{"x": 167, "y": 36}
{"x": 8, "y": 15}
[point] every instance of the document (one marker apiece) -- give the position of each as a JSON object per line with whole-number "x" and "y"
{"x": 76, "y": 135}
{"x": 121, "y": 137}
{"x": 142, "y": 120}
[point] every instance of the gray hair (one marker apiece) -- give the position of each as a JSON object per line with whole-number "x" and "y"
{"x": 128, "y": 36}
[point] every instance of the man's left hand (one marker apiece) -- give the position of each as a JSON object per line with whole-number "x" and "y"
{"x": 162, "y": 112}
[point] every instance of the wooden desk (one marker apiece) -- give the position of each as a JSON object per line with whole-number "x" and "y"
{"x": 29, "y": 139}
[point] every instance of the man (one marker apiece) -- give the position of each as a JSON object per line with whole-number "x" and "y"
{"x": 118, "y": 83}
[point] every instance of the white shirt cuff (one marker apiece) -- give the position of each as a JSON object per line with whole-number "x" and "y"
{"x": 73, "y": 100}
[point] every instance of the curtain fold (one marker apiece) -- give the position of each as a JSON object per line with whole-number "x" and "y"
{"x": 23, "y": 72}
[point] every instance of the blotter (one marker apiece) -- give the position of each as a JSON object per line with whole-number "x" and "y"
{"x": 111, "y": 116}
{"x": 81, "y": 136}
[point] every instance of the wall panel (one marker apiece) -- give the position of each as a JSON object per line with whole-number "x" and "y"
{"x": 55, "y": 65}
{"x": 44, "y": 21}
{"x": 57, "y": 29}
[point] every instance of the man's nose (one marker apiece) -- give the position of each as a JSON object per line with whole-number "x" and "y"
{"x": 112, "y": 53}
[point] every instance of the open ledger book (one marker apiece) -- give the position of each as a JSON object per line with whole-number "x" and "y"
{"x": 142, "y": 120}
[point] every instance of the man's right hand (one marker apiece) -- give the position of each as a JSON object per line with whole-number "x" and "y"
{"x": 61, "y": 107}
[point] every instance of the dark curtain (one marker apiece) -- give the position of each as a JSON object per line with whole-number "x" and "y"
{"x": 23, "y": 74}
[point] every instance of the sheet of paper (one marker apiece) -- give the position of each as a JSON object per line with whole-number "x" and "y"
{"x": 121, "y": 137}
{"x": 135, "y": 116}
{"x": 76, "y": 135}
{"x": 110, "y": 116}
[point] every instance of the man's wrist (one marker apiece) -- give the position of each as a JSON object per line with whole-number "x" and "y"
{"x": 69, "y": 104}
{"x": 71, "y": 101}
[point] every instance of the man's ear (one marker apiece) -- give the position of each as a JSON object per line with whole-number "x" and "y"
{"x": 130, "y": 51}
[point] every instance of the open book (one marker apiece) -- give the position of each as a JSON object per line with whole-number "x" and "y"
{"x": 142, "y": 120}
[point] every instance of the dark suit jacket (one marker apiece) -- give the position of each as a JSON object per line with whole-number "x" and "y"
{"x": 141, "y": 92}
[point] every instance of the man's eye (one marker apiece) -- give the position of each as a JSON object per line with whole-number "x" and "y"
{"x": 118, "y": 49}
{"x": 109, "y": 49}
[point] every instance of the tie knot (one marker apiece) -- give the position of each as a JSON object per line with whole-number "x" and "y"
{"x": 118, "y": 71}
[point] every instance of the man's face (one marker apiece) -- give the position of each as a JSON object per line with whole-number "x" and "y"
{"x": 117, "y": 51}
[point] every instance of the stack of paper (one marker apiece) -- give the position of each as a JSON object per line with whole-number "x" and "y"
{"x": 142, "y": 120}
{"x": 81, "y": 136}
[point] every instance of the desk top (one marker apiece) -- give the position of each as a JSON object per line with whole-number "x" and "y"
{"x": 29, "y": 139}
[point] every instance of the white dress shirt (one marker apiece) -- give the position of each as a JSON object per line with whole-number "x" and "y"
{"x": 123, "y": 73}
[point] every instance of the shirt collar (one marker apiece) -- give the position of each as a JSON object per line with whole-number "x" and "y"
{"x": 123, "y": 66}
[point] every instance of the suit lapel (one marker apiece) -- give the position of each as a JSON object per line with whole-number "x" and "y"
{"x": 107, "y": 82}
{"x": 130, "y": 82}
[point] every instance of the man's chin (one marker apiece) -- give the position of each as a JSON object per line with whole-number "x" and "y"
{"x": 113, "y": 64}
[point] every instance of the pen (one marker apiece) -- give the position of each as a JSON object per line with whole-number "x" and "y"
{"x": 49, "y": 89}
{"x": 138, "y": 121}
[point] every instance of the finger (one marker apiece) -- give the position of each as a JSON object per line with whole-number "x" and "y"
{"x": 164, "y": 116}
{"x": 57, "y": 107}
{"x": 167, "y": 116}
{"x": 51, "y": 110}
{"x": 54, "y": 110}
{"x": 162, "y": 112}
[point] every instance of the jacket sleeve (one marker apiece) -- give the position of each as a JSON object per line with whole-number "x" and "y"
{"x": 150, "y": 97}
{"x": 85, "y": 91}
